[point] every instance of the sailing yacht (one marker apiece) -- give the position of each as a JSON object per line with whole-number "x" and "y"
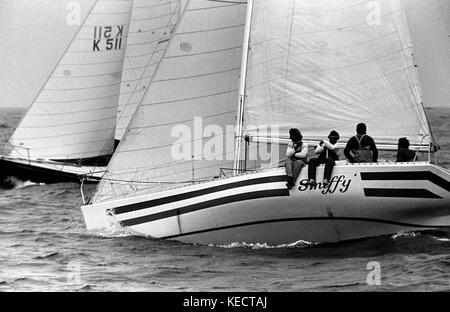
{"x": 265, "y": 66}
{"x": 70, "y": 126}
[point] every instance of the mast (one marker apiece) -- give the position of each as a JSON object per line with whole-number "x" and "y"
{"x": 240, "y": 112}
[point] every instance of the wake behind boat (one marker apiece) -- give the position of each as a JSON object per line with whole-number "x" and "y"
{"x": 316, "y": 66}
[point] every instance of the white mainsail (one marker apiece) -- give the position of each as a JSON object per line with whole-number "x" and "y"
{"x": 152, "y": 22}
{"x": 74, "y": 114}
{"x": 330, "y": 64}
{"x": 195, "y": 86}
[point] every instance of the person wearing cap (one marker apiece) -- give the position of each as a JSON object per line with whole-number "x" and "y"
{"x": 404, "y": 154}
{"x": 328, "y": 152}
{"x": 361, "y": 146}
{"x": 296, "y": 154}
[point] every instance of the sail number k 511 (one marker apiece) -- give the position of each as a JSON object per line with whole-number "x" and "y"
{"x": 107, "y": 38}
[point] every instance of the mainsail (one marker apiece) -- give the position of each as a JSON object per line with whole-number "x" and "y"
{"x": 190, "y": 101}
{"x": 151, "y": 25}
{"x": 330, "y": 64}
{"x": 74, "y": 114}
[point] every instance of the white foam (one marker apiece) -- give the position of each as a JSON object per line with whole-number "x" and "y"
{"x": 297, "y": 244}
{"x": 114, "y": 230}
{"x": 405, "y": 235}
{"x": 442, "y": 239}
{"x": 17, "y": 183}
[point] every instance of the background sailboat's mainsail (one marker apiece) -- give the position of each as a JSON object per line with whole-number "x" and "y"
{"x": 151, "y": 24}
{"x": 74, "y": 114}
{"x": 198, "y": 76}
{"x": 330, "y": 64}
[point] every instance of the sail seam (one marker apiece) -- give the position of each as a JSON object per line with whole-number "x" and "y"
{"x": 82, "y": 100}
{"x": 210, "y": 30}
{"x": 72, "y": 123}
{"x": 86, "y": 88}
{"x": 191, "y": 98}
{"x": 86, "y": 76}
{"x": 68, "y": 144}
{"x": 203, "y": 53}
{"x": 199, "y": 75}
{"x": 63, "y": 135}
{"x": 155, "y": 5}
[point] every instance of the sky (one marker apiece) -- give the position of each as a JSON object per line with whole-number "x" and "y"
{"x": 34, "y": 34}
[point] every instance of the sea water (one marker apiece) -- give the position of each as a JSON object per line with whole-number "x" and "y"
{"x": 44, "y": 246}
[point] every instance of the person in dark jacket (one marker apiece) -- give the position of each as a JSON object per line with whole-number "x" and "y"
{"x": 328, "y": 152}
{"x": 361, "y": 148}
{"x": 297, "y": 153}
{"x": 404, "y": 154}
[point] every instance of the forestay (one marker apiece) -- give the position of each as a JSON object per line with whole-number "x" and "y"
{"x": 330, "y": 64}
{"x": 191, "y": 100}
{"x": 74, "y": 114}
{"x": 152, "y": 22}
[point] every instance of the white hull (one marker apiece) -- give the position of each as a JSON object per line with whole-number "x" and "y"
{"x": 363, "y": 200}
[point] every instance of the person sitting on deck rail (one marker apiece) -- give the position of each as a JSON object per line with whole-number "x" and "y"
{"x": 404, "y": 154}
{"x": 361, "y": 146}
{"x": 328, "y": 154}
{"x": 297, "y": 153}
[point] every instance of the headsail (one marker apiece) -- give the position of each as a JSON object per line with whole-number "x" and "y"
{"x": 152, "y": 22}
{"x": 330, "y": 64}
{"x": 74, "y": 114}
{"x": 191, "y": 98}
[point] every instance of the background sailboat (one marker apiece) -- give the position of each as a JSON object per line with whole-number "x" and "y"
{"x": 69, "y": 128}
{"x": 313, "y": 65}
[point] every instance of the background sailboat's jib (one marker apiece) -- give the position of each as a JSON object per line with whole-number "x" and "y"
{"x": 179, "y": 131}
{"x": 74, "y": 114}
{"x": 152, "y": 22}
{"x": 330, "y": 64}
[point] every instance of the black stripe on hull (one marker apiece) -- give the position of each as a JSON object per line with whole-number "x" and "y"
{"x": 407, "y": 175}
{"x": 371, "y": 220}
{"x": 204, "y": 205}
{"x": 187, "y": 195}
{"x": 402, "y": 193}
{"x": 35, "y": 174}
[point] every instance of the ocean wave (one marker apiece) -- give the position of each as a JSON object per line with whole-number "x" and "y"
{"x": 342, "y": 285}
{"x": 84, "y": 288}
{"x": 50, "y": 255}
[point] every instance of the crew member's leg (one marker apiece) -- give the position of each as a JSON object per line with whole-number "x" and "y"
{"x": 298, "y": 165}
{"x": 290, "y": 173}
{"x": 329, "y": 164}
{"x": 312, "y": 166}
